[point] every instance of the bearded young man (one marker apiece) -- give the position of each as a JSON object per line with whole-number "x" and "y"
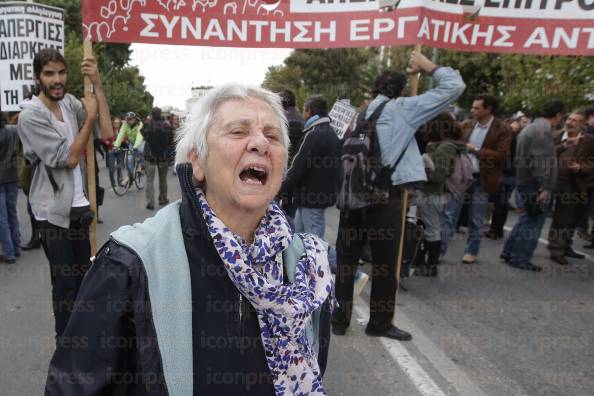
{"x": 54, "y": 129}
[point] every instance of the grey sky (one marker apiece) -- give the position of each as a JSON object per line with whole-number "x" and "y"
{"x": 171, "y": 70}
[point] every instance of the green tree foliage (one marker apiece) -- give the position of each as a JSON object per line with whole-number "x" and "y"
{"x": 334, "y": 73}
{"x": 72, "y": 13}
{"x": 123, "y": 84}
{"x": 522, "y": 82}
{"x": 529, "y": 81}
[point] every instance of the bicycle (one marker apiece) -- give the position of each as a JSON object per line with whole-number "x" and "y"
{"x": 137, "y": 176}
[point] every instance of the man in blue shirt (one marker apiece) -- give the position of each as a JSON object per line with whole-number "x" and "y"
{"x": 488, "y": 145}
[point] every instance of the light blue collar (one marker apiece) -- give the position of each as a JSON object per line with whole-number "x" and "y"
{"x": 311, "y": 120}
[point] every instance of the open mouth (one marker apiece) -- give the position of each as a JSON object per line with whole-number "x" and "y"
{"x": 253, "y": 174}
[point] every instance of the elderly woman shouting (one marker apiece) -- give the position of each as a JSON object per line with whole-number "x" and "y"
{"x": 214, "y": 295}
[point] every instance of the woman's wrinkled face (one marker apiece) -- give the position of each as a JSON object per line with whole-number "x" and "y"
{"x": 246, "y": 158}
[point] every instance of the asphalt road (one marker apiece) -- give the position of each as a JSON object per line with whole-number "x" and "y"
{"x": 484, "y": 329}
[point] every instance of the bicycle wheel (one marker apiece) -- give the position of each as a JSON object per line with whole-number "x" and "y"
{"x": 120, "y": 182}
{"x": 139, "y": 176}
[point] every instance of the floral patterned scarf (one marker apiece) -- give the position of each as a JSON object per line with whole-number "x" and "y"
{"x": 283, "y": 310}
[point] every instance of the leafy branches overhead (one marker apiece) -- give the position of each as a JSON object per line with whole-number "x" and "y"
{"x": 522, "y": 82}
{"x": 529, "y": 81}
{"x": 334, "y": 73}
{"x": 123, "y": 83}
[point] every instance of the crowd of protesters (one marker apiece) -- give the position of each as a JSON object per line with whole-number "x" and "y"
{"x": 539, "y": 166}
{"x": 477, "y": 169}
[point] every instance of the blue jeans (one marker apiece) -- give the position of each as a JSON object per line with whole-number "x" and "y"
{"x": 476, "y": 216}
{"x": 138, "y": 153}
{"x": 10, "y": 235}
{"x": 114, "y": 162}
{"x": 313, "y": 220}
{"x": 522, "y": 240}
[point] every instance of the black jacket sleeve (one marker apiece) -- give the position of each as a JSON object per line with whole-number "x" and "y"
{"x": 302, "y": 161}
{"x": 98, "y": 345}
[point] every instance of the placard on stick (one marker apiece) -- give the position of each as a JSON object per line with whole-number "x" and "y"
{"x": 342, "y": 115}
{"x": 25, "y": 29}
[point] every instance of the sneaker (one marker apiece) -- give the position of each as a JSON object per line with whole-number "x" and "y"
{"x": 469, "y": 259}
{"x": 165, "y": 202}
{"x": 150, "y": 207}
{"x": 361, "y": 279}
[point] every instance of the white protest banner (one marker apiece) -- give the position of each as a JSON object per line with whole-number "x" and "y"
{"x": 25, "y": 29}
{"x": 342, "y": 114}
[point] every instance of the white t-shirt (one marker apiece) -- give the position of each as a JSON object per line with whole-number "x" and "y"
{"x": 79, "y": 198}
{"x": 477, "y": 137}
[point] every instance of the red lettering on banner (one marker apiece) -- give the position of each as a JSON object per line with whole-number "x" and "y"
{"x": 260, "y": 23}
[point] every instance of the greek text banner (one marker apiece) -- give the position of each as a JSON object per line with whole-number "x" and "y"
{"x": 552, "y": 27}
{"x": 25, "y": 29}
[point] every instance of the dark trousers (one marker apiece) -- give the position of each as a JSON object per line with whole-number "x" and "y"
{"x": 380, "y": 225}
{"x": 68, "y": 251}
{"x": 500, "y": 199}
{"x": 565, "y": 218}
{"x": 161, "y": 167}
{"x": 587, "y": 212}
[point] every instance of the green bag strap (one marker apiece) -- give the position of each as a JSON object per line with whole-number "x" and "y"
{"x": 291, "y": 255}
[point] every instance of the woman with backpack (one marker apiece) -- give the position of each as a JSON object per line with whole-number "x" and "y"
{"x": 443, "y": 149}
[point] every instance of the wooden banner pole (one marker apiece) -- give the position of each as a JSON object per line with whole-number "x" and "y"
{"x": 92, "y": 187}
{"x": 414, "y": 90}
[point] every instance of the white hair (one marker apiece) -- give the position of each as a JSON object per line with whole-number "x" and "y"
{"x": 192, "y": 136}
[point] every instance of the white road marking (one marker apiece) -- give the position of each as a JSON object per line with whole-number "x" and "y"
{"x": 418, "y": 376}
{"x": 457, "y": 378}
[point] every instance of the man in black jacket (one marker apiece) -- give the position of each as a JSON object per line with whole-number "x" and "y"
{"x": 295, "y": 120}
{"x": 313, "y": 174}
{"x": 158, "y": 136}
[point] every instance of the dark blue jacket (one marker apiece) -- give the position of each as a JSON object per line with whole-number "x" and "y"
{"x": 110, "y": 344}
{"x": 312, "y": 178}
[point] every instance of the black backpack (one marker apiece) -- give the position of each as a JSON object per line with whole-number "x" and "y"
{"x": 363, "y": 179}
